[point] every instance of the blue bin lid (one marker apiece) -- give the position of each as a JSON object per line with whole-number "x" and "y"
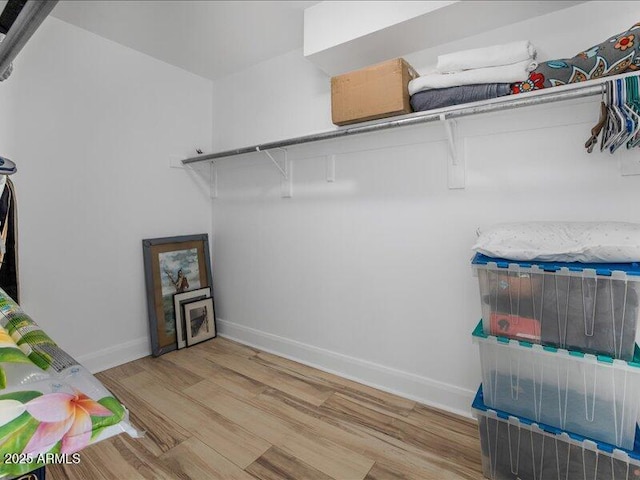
{"x": 478, "y": 404}
{"x": 478, "y": 332}
{"x": 600, "y": 268}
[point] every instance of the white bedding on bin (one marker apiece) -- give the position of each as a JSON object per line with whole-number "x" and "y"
{"x": 587, "y": 242}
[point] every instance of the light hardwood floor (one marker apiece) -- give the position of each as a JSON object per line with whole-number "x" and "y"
{"x": 221, "y": 410}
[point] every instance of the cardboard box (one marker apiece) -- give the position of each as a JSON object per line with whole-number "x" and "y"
{"x": 374, "y": 92}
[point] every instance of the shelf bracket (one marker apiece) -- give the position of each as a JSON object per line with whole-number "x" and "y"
{"x": 456, "y": 168}
{"x": 213, "y": 175}
{"x": 286, "y": 170}
{"x": 331, "y": 168}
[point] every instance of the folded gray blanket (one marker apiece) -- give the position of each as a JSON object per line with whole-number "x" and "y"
{"x": 445, "y": 97}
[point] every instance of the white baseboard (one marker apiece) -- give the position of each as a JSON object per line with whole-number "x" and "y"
{"x": 409, "y": 385}
{"x": 116, "y": 355}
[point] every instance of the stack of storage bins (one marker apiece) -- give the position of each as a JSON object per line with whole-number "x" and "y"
{"x": 560, "y": 395}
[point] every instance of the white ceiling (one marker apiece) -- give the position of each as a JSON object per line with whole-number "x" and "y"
{"x": 209, "y": 38}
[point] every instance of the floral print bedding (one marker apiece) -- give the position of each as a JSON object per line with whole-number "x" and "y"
{"x": 617, "y": 54}
{"x": 50, "y": 406}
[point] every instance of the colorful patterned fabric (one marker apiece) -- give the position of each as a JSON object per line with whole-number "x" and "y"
{"x": 50, "y": 406}
{"x": 618, "y": 54}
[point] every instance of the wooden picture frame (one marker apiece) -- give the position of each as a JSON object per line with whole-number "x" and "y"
{"x": 200, "y": 324}
{"x": 172, "y": 265}
{"x": 179, "y": 299}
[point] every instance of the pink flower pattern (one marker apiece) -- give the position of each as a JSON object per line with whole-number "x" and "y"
{"x": 63, "y": 417}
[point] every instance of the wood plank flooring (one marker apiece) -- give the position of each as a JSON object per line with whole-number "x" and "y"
{"x": 221, "y": 410}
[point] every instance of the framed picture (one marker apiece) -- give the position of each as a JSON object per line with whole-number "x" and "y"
{"x": 199, "y": 320}
{"x": 178, "y": 300}
{"x": 172, "y": 265}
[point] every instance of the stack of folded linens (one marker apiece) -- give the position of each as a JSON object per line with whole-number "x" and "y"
{"x": 473, "y": 75}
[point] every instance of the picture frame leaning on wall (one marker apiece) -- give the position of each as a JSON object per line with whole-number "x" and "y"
{"x": 179, "y": 299}
{"x": 172, "y": 265}
{"x": 199, "y": 317}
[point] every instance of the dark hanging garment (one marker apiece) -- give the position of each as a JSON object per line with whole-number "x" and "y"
{"x": 10, "y": 13}
{"x": 9, "y": 234}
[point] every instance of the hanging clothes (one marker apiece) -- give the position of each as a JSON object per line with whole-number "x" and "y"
{"x": 619, "y": 122}
{"x": 8, "y": 235}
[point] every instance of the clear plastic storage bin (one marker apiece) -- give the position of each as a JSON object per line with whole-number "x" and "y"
{"x": 593, "y": 308}
{"x": 597, "y": 397}
{"x": 516, "y": 449}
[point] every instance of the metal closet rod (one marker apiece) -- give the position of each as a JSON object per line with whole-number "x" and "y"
{"x": 31, "y": 16}
{"x": 504, "y": 103}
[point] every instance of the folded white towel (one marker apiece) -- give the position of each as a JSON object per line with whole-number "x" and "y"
{"x": 518, "y": 72}
{"x": 493, "y": 56}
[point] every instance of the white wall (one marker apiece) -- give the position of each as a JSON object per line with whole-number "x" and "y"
{"x": 91, "y": 125}
{"x": 341, "y": 36}
{"x": 369, "y": 276}
{"x": 353, "y": 19}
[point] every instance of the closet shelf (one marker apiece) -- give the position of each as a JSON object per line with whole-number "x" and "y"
{"x": 27, "y": 22}
{"x": 549, "y": 95}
